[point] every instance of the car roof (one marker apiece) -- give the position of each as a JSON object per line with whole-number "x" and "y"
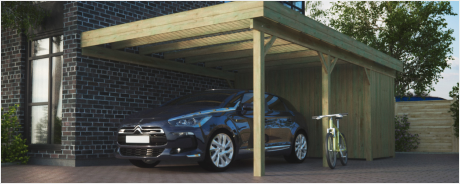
{"x": 237, "y": 91}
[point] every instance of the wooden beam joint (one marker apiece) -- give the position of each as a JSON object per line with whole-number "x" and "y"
{"x": 327, "y": 63}
{"x": 269, "y": 44}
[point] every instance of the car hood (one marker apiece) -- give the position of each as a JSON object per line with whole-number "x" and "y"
{"x": 163, "y": 113}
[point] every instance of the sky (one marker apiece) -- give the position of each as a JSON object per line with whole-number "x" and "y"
{"x": 450, "y": 76}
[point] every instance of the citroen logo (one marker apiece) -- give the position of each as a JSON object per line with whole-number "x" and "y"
{"x": 138, "y": 128}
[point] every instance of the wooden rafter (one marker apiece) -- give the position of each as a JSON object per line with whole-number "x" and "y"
{"x": 275, "y": 63}
{"x": 219, "y": 49}
{"x": 241, "y": 54}
{"x": 105, "y": 53}
{"x": 213, "y": 40}
{"x": 281, "y": 67}
{"x": 269, "y": 57}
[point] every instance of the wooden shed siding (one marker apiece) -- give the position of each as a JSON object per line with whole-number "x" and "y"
{"x": 347, "y": 96}
{"x": 382, "y": 98}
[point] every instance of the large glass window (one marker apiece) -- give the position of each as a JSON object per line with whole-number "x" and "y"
{"x": 295, "y": 5}
{"x": 45, "y": 94}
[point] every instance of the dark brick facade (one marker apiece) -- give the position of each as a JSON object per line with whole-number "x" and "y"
{"x": 13, "y": 71}
{"x": 98, "y": 93}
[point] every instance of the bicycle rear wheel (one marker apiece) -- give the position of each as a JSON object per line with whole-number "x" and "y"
{"x": 330, "y": 153}
{"x": 343, "y": 145}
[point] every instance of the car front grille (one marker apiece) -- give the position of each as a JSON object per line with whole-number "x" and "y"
{"x": 141, "y": 152}
{"x": 147, "y": 130}
{"x": 157, "y": 136}
{"x": 155, "y": 140}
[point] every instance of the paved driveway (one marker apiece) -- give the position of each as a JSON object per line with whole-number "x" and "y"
{"x": 403, "y": 168}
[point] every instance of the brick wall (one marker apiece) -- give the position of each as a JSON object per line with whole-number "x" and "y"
{"x": 98, "y": 93}
{"x": 13, "y": 71}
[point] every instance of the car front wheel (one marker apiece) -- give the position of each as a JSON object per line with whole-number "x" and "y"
{"x": 220, "y": 152}
{"x": 299, "y": 149}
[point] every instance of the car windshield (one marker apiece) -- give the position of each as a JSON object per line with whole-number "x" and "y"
{"x": 206, "y": 98}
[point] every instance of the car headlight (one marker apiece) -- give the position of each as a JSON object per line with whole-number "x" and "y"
{"x": 190, "y": 122}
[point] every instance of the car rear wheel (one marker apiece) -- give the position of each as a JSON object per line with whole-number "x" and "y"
{"x": 299, "y": 149}
{"x": 220, "y": 152}
{"x": 145, "y": 163}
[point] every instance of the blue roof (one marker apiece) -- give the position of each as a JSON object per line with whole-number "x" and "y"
{"x": 417, "y": 98}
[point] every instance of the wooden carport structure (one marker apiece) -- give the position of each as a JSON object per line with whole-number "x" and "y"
{"x": 317, "y": 68}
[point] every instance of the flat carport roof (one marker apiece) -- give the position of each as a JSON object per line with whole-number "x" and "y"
{"x": 237, "y": 36}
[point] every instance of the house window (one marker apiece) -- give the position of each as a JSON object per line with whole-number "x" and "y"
{"x": 295, "y": 5}
{"x": 45, "y": 90}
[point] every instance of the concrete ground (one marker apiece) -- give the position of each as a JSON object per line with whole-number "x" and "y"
{"x": 406, "y": 168}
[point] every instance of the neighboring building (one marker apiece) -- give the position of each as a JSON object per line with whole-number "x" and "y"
{"x": 71, "y": 105}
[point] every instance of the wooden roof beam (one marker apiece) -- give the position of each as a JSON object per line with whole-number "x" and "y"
{"x": 243, "y": 53}
{"x": 269, "y": 57}
{"x": 283, "y": 67}
{"x": 116, "y": 55}
{"x": 200, "y": 42}
{"x": 276, "y": 63}
{"x": 311, "y": 42}
{"x": 219, "y": 49}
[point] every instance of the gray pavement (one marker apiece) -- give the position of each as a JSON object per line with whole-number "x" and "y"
{"x": 406, "y": 168}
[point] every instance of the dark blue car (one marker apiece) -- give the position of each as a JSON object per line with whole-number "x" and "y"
{"x": 212, "y": 127}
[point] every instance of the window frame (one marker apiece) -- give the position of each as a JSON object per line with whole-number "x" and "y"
{"x": 28, "y": 99}
{"x": 294, "y": 7}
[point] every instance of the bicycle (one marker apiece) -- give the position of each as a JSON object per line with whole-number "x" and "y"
{"x": 335, "y": 145}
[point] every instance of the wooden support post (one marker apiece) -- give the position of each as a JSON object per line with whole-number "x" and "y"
{"x": 326, "y": 70}
{"x": 259, "y": 107}
{"x": 230, "y": 84}
{"x": 367, "y": 116}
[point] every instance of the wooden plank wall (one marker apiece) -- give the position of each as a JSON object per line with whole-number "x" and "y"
{"x": 302, "y": 87}
{"x": 304, "y": 96}
{"x": 382, "y": 102}
{"x": 432, "y": 121}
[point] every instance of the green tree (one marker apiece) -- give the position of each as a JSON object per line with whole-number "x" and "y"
{"x": 414, "y": 32}
{"x": 22, "y": 16}
{"x": 454, "y": 107}
{"x": 13, "y": 147}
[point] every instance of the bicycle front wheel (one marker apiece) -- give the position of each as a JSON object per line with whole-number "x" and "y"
{"x": 343, "y": 146}
{"x": 330, "y": 153}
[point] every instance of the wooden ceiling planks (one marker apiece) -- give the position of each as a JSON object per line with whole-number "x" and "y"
{"x": 189, "y": 34}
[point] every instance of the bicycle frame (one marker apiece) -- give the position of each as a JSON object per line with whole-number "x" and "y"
{"x": 335, "y": 133}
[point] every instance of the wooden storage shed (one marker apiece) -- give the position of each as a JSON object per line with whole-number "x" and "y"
{"x": 277, "y": 50}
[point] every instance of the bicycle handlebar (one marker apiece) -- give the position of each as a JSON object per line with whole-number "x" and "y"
{"x": 330, "y": 115}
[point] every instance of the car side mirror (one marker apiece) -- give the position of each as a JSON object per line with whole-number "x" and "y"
{"x": 247, "y": 107}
